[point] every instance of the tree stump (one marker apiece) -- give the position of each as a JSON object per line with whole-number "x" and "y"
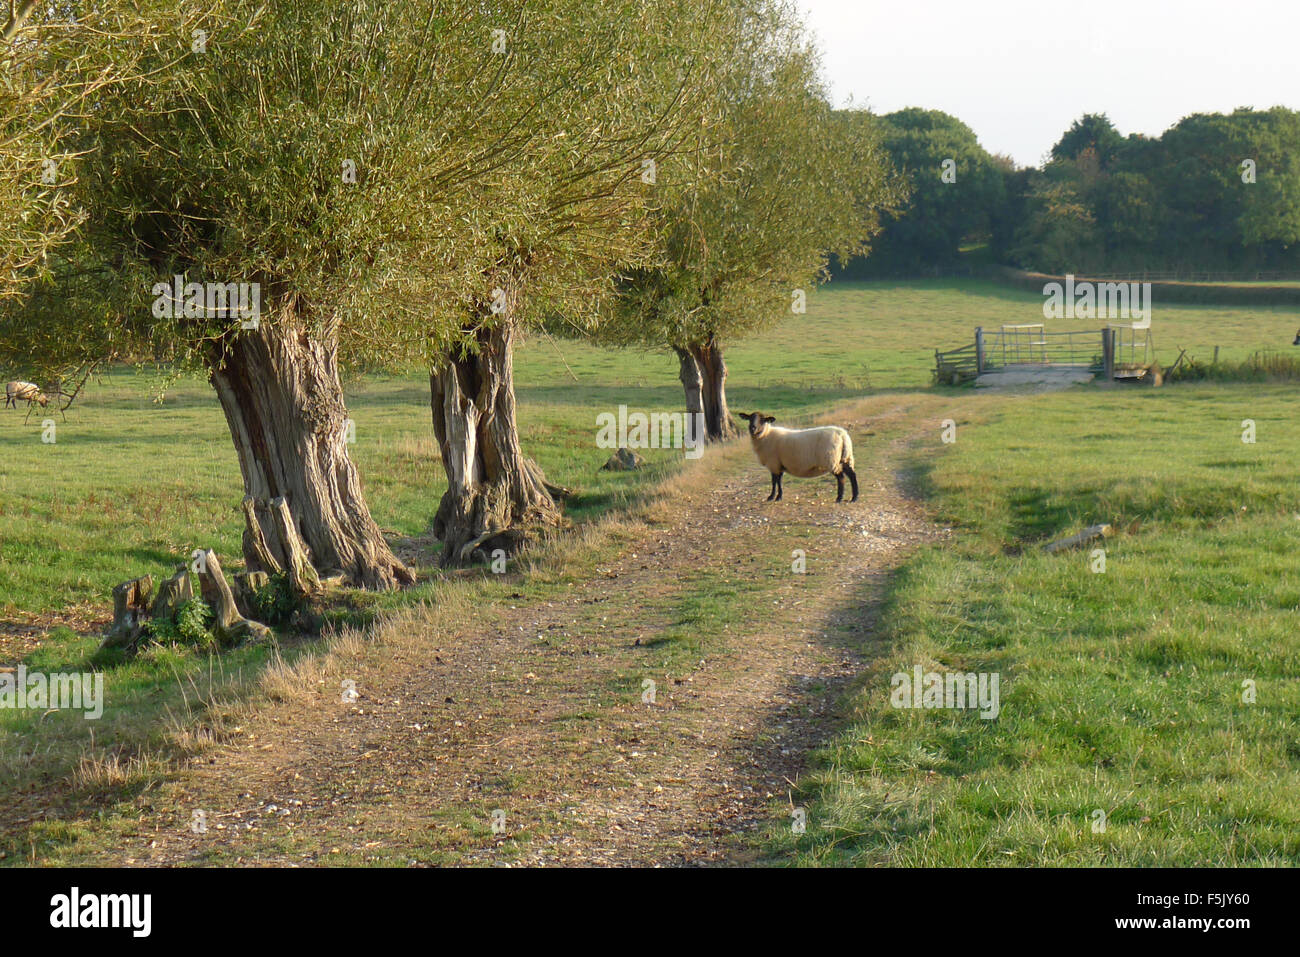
{"x": 245, "y": 586}
{"x": 172, "y": 593}
{"x": 130, "y": 606}
{"x": 228, "y": 625}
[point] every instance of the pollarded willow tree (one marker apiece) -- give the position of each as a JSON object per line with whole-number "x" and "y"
{"x": 592, "y": 104}
{"x": 271, "y": 162}
{"x": 789, "y": 183}
{"x": 375, "y": 172}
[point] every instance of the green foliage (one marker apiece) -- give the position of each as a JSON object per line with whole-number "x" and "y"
{"x": 386, "y": 166}
{"x": 1093, "y": 131}
{"x": 189, "y": 626}
{"x": 1061, "y": 229}
{"x": 275, "y": 601}
{"x": 780, "y": 185}
{"x": 1102, "y": 202}
{"x": 942, "y": 213}
{"x": 59, "y": 61}
{"x": 1184, "y": 200}
{"x": 1262, "y": 366}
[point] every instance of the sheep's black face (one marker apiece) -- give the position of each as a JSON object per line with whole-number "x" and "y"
{"x": 758, "y": 422}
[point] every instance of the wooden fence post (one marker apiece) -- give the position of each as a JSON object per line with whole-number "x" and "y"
{"x": 1108, "y": 352}
{"x": 979, "y": 350}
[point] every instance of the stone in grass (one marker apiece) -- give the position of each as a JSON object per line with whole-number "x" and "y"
{"x": 623, "y": 460}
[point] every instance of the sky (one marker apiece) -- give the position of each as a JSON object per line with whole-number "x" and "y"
{"x": 1018, "y": 72}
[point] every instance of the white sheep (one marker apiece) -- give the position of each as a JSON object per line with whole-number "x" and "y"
{"x": 27, "y": 392}
{"x": 802, "y": 452}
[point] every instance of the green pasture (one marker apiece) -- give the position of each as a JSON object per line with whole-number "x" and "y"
{"x": 1122, "y": 691}
{"x": 1161, "y": 688}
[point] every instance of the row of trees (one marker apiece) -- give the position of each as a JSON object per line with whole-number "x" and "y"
{"x": 410, "y": 186}
{"x": 1215, "y": 191}
{"x": 958, "y": 192}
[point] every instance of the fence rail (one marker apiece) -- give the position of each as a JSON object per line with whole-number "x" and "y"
{"x": 1026, "y": 345}
{"x": 1036, "y": 347}
{"x": 956, "y": 365}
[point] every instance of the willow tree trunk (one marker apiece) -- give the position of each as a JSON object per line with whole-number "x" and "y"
{"x": 496, "y": 497}
{"x": 280, "y": 390}
{"x": 693, "y": 383}
{"x": 719, "y": 426}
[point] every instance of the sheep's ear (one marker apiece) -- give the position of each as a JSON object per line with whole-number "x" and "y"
{"x": 770, "y": 418}
{"x": 746, "y": 416}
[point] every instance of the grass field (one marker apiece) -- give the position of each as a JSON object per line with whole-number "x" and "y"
{"x": 138, "y": 484}
{"x": 882, "y": 335}
{"x": 1122, "y": 691}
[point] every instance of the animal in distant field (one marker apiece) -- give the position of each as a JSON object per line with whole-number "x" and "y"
{"x": 28, "y": 392}
{"x": 802, "y": 452}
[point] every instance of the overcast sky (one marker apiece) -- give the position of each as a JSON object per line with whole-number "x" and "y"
{"x": 1019, "y": 71}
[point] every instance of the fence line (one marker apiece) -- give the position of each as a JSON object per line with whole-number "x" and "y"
{"x": 1179, "y": 275}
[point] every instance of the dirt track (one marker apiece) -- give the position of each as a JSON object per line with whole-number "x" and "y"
{"x": 535, "y": 709}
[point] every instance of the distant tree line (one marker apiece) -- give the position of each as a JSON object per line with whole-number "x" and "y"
{"x": 1214, "y": 192}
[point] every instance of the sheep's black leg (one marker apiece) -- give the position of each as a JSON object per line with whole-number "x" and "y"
{"x": 779, "y": 489}
{"x": 771, "y": 495}
{"x": 853, "y": 480}
{"x": 839, "y": 486}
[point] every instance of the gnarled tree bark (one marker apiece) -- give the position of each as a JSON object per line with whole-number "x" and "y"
{"x": 279, "y": 388}
{"x": 693, "y": 383}
{"x": 718, "y": 424}
{"x": 496, "y": 497}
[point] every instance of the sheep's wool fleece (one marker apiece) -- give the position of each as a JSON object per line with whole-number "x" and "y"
{"x": 804, "y": 452}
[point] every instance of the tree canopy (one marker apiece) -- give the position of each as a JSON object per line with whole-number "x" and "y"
{"x": 955, "y": 185}
{"x": 749, "y": 225}
{"x": 1215, "y": 191}
{"x": 378, "y": 164}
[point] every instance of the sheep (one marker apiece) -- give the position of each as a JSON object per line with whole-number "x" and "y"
{"x": 802, "y": 452}
{"x": 26, "y": 391}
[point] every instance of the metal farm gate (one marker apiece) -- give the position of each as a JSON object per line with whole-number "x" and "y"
{"x": 1115, "y": 351}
